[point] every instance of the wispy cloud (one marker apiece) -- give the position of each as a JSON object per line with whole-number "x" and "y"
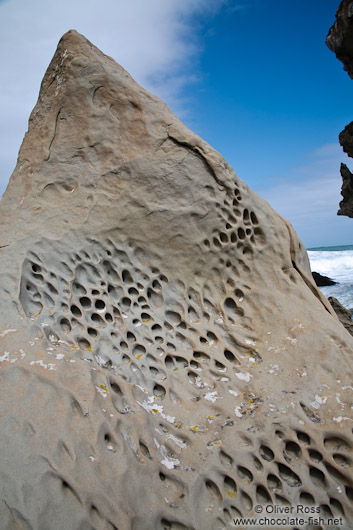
{"x": 309, "y": 195}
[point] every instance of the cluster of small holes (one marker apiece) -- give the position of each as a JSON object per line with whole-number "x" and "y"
{"x": 241, "y": 227}
{"x": 115, "y": 314}
{"x": 100, "y": 301}
{"x": 291, "y": 471}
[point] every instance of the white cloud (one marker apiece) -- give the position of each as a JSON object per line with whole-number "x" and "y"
{"x": 309, "y": 195}
{"x": 154, "y": 40}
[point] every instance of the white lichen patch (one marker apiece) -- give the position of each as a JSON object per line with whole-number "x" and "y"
{"x": 49, "y": 366}
{"x": 99, "y": 360}
{"x": 152, "y": 407}
{"x": 102, "y": 390}
{"x": 291, "y": 340}
{"x": 168, "y": 461}
{"x": 243, "y": 377}
{"x": 6, "y": 331}
{"x": 318, "y": 401}
{"x": 130, "y": 443}
{"x": 274, "y": 368}
{"x": 237, "y": 411}
{"x": 178, "y": 441}
{"x": 5, "y": 357}
{"x": 211, "y": 396}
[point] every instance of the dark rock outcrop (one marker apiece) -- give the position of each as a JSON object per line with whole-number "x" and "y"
{"x": 340, "y": 41}
{"x": 322, "y": 281}
{"x": 344, "y": 315}
{"x": 346, "y": 204}
{"x": 346, "y": 139}
{"x": 340, "y": 36}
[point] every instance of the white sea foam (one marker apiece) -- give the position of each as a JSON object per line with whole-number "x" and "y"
{"x": 337, "y": 264}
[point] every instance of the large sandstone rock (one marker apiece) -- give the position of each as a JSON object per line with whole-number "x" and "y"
{"x": 340, "y": 41}
{"x": 167, "y": 361}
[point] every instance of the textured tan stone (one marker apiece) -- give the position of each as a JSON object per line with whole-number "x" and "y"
{"x": 167, "y": 361}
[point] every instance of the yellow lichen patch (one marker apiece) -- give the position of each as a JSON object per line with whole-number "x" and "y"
{"x": 198, "y": 429}
{"x": 146, "y": 320}
{"x": 231, "y": 494}
{"x": 103, "y": 387}
{"x": 75, "y": 347}
{"x": 253, "y": 358}
{"x": 155, "y": 411}
{"x": 139, "y": 356}
{"x": 214, "y": 442}
{"x": 251, "y": 405}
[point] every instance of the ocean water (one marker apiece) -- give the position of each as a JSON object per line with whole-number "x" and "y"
{"x": 337, "y": 264}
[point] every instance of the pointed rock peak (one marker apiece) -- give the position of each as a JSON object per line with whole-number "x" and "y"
{"x": 160, "y": 329}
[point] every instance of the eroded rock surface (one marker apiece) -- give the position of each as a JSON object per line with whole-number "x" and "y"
{"x": 346, "y": 204}
{"x": 340, "y": 36}
{"x": 167, "y": 360}
{"x": 344, "y": 315}
{"x": 340, "y": 41}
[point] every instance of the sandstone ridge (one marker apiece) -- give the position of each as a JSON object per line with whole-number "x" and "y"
{"x": 167, "y": 359}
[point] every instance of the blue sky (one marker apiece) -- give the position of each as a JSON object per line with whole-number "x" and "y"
{"x": 254, "y": 78}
